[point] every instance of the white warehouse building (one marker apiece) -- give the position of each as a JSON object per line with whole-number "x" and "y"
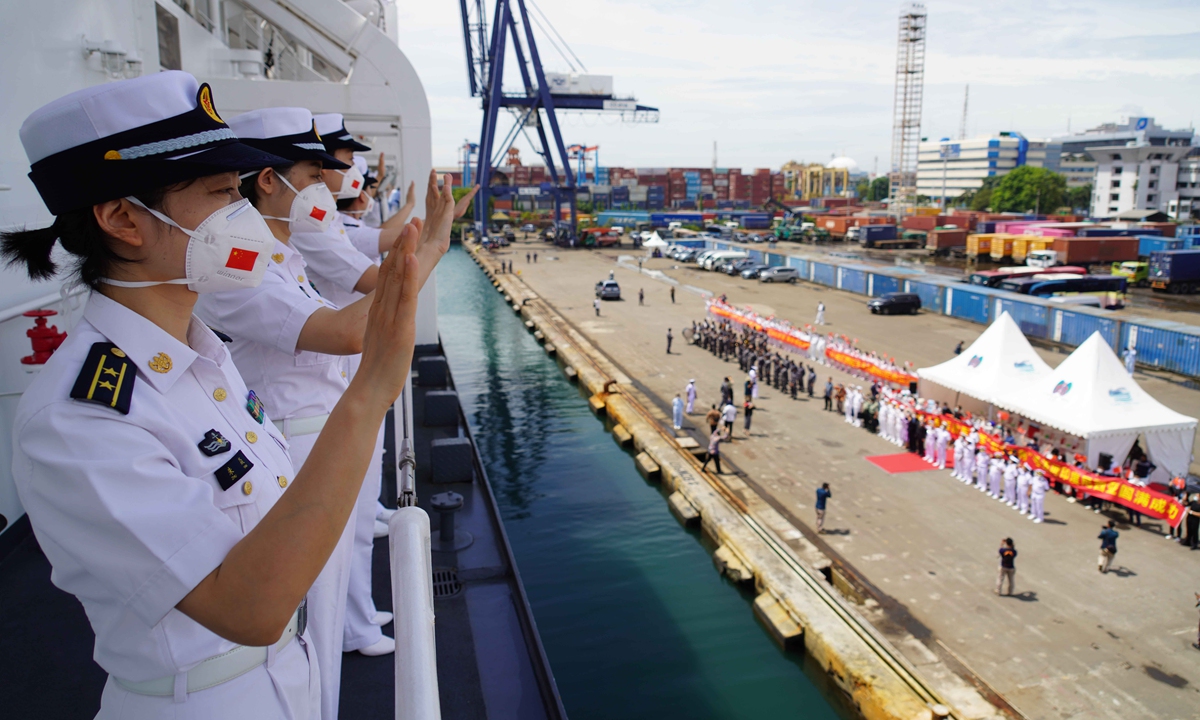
{"x": 948, "y": 168}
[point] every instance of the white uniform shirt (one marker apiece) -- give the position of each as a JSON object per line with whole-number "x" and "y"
{"x": 128, "y": 507}
{"x": 265, "y": 324}
{"x": 334, "y": 263}
{"x": 1039, "y": 485}
{"x": 364, "y": 239}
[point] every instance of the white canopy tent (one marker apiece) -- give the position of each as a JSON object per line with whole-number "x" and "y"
{"x": 1091, "y": 396}
{"x": 655, "y": 241}
{"x": 999, "y": 362}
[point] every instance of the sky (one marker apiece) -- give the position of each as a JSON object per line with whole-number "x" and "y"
{"x": 801, "y": 80}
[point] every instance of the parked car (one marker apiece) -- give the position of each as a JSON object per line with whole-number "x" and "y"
{"x": 736, "y": 267}
{"x": 895, "y": 303}
{"x": 755, "y": 238}
{"x": 752, "y": 272}
{"x": 528, "y": 228}
{"x": 779, "y": 274}
{"x": 608, "y": 290}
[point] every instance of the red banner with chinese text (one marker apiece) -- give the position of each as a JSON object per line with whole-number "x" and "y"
{"x": 1113, "y": 489}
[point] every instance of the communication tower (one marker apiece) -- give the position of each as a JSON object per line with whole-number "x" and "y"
{"x": 906, "y": 117}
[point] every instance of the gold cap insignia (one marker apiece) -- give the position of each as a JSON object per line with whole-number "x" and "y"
{"x": 205, "y": 101}
{"x": 161, "y": 363}
{"x": 278, "y": 258}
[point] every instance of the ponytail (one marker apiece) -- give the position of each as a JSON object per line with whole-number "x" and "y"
{"x": 80, "y": 235}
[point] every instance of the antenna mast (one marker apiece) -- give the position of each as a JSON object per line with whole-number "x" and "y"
{"x": 962, "y": 130}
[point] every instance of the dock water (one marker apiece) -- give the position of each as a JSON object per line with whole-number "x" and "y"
{"x": 635, "y": 618}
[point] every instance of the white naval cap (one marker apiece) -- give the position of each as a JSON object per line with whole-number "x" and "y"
{"x": 129, "y": 137}
{"x": 285, "y": 131}
{"x": 332, "y": 128}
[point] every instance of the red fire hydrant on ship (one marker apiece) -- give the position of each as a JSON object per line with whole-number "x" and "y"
{"x": 45, "y": 339}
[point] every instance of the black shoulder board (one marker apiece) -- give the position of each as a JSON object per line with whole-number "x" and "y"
{"x": 221, "y": 336}
{"x": 107, "y": 378}
{"x": 232, "y": 471}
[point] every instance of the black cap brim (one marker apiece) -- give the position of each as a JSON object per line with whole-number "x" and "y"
{"x": 285, "y": 147}
{"x": 332, "y": 144}
{"x": 237, "y": 156}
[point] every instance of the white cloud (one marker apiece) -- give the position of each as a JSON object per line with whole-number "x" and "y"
{"x": 775, "y": 81}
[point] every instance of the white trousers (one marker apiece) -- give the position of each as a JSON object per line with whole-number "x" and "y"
{"x": 1022, "y": 498}
{"x": 286, "y": 687}
{"x": 327, "y": 600}
{"x": 1010, "y": 491}
{"x": 360, "y": 607}
{"x": 941, "y": 456}
{"x": 1039, "y": 506}
{"x": 994, "y": 483}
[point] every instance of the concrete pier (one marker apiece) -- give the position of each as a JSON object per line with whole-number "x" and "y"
{"x": 914, "y": 554}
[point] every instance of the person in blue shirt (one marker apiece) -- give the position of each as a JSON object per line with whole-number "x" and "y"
{"x": 823, "y": 495}
{"x": 1108, "y": 545}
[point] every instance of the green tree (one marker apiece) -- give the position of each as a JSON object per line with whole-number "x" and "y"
{"x": 1030, "y": 189}
{"x": 879, "y": 189}
{"x": 979, "y": 199}
{"x": 863, "y": 189}
{"x": 1080, "y": 198}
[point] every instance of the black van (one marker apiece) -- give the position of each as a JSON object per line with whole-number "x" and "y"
{"x": 894, "y": 303}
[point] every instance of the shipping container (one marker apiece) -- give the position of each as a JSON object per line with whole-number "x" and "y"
{"x": 979, "y": 244}
{"x": 940, "y": 240}
{"x": 1166, "y": 345}
{"x": 1151, "y": 244}
{"x": 801, "y": 265}
{"x": 1166, "y": 229}
{"x": 883, "y": 284}
{"x": 931, "y": 294}
{"x": 1002, "y": 246}
{"x": 1100, "y": 232}
{"x": 985, "y": 226}
{"x": 852, "y": 280}
{"x": 1024, "y": 244}
{"x": 824, "y": 273}
{"x": 1175, "y": 271}
{"x": 1072, "y": 327}
{"x": 1085, "y": 250}
{"x": 968, "y": 302}
{"x": 1032, "y": 316}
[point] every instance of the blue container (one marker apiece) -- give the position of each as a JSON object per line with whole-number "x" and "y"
{"x": 882, "y": 284}
{"x": 854, "y": 281}
{"x": 1116, "y": 232}
{"x": 967, "y": 303}
{"x": 1190, "y": 234}
{"x": 756, "y": 256}
{"x": 985, "y": 226}
{"x": 800, "y": 264}
{"x": 931, "y": 294}
{"x": 824, "y": 274}
{"x": 1166, "y": 345}
{"x": 1072, "y": 327}
{"x": 776, "y": 260}
{"x": 1032, "y": 317}
{"x": 1151, "y": 244}
{"x": 877, "y": 232}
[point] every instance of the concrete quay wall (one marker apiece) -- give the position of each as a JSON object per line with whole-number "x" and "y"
{"x": 879, "y": 683}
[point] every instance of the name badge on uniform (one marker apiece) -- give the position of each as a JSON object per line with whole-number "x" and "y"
{"x": 234, "y": 470}
{"x": 214, "y": 443}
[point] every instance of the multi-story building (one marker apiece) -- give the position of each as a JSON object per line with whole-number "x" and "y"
{"x": 1135, "y": 177}
{"x": 1132, "y": 164}
{"x": 948, "y": 168}
{"x": 1187, "y": 185}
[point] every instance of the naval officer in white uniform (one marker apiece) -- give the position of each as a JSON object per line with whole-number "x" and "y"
{"x": 154, "y": 480}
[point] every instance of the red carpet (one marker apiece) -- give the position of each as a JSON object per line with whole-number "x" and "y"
{"x": 904, "y": 463}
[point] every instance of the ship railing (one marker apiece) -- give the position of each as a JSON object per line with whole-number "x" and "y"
{"x": 412, "y": 583}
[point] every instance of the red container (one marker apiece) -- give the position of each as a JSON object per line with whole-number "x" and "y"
{"x": 1167, "y": 228}
{"x": 942, "y": 239}
{"x": 920, "y": 222}
{"x": 1086, "y": 250}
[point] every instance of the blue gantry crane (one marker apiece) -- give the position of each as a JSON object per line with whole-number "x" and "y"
{"x": 535, "y": 106}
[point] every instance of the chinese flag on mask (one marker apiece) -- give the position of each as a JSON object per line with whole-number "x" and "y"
{"x": 241, "y": 259}
{"x": 354, "y": 185}
{"x": 317, "y": 214}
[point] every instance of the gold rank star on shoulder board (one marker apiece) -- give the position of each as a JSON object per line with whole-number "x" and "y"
{"x": 107, "y": 378}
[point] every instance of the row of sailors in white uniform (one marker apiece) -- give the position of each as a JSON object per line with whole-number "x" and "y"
{"x": 1006, "y": 479}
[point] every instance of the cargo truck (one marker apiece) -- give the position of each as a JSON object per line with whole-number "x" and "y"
{"x": 1175, "y": 271}
{"x": 880, "y": 236}
{"x": 1148, "y": 244}
{"x": 1135, "y": 272}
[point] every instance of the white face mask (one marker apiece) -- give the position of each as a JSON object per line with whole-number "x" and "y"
{"x": 352, "y": 184}
{"x": 365, "y": 211}
{"x": 228, "y": 251}
{"x": 312, "y": 210}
